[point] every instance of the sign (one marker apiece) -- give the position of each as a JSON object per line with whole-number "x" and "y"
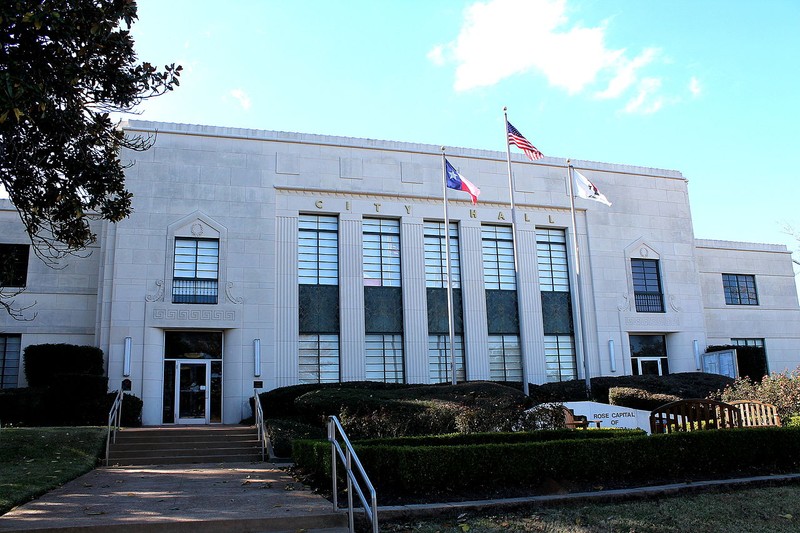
{"x": 722, "y": 362}
{"x": 612, "y": 416}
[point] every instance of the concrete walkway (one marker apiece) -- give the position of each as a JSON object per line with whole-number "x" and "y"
{"x": 204, "y": 498}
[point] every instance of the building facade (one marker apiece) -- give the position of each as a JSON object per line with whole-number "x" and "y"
{"x": 259, "y": 259}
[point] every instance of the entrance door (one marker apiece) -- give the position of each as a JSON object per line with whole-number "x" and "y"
{"x": 192, "y": 392}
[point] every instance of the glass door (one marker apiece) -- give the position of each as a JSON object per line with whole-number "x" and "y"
{"x": 192, "y": 388}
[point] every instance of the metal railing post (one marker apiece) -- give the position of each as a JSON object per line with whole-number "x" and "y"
{"x": 352, "y": 464}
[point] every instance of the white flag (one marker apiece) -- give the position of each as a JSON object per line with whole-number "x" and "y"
{"x": 586, "y": 189}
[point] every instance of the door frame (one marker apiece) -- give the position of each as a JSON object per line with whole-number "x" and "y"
{"x": 206, "y": 388}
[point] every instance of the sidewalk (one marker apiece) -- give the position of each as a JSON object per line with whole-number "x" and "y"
{"x": 242, "y": 497}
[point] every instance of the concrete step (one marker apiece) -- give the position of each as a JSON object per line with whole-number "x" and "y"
{"x": 180, "y": 445}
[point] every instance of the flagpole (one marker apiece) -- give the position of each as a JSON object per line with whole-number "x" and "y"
{"x": 576, "y": 253}
{"x": 450, "y": 320}
{"x": 516, "y": 265}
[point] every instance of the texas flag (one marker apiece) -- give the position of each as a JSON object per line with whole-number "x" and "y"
{"x": 460, "y": 183}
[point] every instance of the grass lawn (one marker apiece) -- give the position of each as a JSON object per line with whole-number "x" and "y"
{"x": 756, "y": 510}
{"x": 36, "y": 460}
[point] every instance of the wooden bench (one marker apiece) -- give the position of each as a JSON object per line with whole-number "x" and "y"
{"x": 573, "y": 421}
{"x": 694, "y": 415}
{"x": 754, "y": 413}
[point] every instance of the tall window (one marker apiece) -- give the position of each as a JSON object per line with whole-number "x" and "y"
{"x": 318, "y": 244}
{"x": 498, "y": 258}
{"x": 436, "y": 256}
{"x": 559, "y": 352}
{"x": 195, "y": 276}
{"x": 440, "y": 361}
{"x": 318, "y": 275}
{"x": 649, "y": 355}
{"x": 319, "y": 358}
{"x": 13, "y": 265}
{"x": 740, "y": 289}
{"x": 551, "y": 251}
{"x": 647, "y": 286}
{"x": 9, "y": 360}
{"x": 381, "y": 252}
{"x": 505, "y": 358}
{"x": 385, "y": 358}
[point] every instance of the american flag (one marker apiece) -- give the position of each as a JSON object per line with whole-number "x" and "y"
{"x": 518, "y": 140}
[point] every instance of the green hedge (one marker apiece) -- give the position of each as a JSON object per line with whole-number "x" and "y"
{"x": 46, "y": 364}
{"x": 681, "y": 385}
{"x": 422, "y": 471}
{"x": 638, "y": 398}
{"x": 503, "y": 438}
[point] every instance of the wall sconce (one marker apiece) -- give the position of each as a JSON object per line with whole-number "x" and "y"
{"x": 257, "y": 357}
{"x": 696, "y": 354}
{"x": 126, "y": 358}
{"x": 612, "y": 359}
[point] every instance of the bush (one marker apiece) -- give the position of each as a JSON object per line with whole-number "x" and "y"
{"x": 638, "y": 398}
{"x": 22, "y": 407}
{"x": 282, "y": 432}
{"x": 684, "y": 386}
{"x": 280, "y": 402}
{"x": 46, "y": 364}
{"x": 559, "y": 391}
{"x": 131, "y": 409}
{"x": 78, "y": 400}
{"x": 780, "y": 389}
{"x": 425, "y": 471}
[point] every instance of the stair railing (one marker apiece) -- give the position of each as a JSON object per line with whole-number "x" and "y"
{"x": 263, "y": 434}
{"x": 114, "y": 421}
{"x": 349, "y": 459}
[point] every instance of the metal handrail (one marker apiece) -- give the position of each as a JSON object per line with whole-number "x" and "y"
{"x": 348, "y": 457}
{"x": 114, "y": 421}
{"x": 263, "y": 434}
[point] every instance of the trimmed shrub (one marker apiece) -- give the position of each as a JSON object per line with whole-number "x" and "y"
{"x": 408, "y": 471}
{"x": 682, "y": 385}
{"x": 559, "y": 391}
{"x": 131, "y": 409}
{"x": 45, "y": 364}
{"x": 22, "y": 407}
{"x": 282, "y": 432}
{"x": 78, "y": 400}
{"x": 638, "y": 398}
{"x": 280, "y": 402}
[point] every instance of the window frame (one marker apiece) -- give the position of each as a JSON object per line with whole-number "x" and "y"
{"x": 194, "y": 293}
{"x": 7, "y": 369}
{"x": 381, "y": 243}
{"x": 646, "y": 299}
{"x": 314, "y": 345}
{"x": 388, "y": 348}
{"x": 318, "y": 235}
{"x": 552, "y": 254}
{"x": 497, "y": 254}
{"x": 436, "y": 256}
{"x": 439, "y": 361}
{"x": 738, "y": 294}
{"x": 14, "y": 262}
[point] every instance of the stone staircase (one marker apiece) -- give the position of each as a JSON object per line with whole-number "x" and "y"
{"x": 184, "y": 445}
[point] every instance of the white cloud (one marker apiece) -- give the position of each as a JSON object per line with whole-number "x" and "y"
{"x": 502, "y": 38}
{"x": 436, "y": 55}
{"x": 242, "y": 98}
{"x": 626, "y": 73}
{"x": 694, "y": 87}
{"x": 647, "y": 100}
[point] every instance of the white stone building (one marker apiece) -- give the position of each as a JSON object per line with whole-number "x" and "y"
{"x": 259, "y": 259}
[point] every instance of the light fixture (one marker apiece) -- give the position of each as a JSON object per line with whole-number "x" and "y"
{"x": 612, "y": 359}
{"x": 257, "y": 357}
{"x": 126, "y": 358}
{"x": 696, "y": 354}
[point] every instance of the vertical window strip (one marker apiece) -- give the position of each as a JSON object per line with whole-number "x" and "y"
{"x": 561, "y": 362}
{"x": 384, "y": 358}
{"x": 551, "y": 249}
{"x": 498, "y": 257}
{"x": 748, "y": 342}
{"x": 9, "y": 360}
{"x": 319, "y": 359}
{"x": 318, "y": 250}
{"x": 505, "y": 358}
{"x": 381, "y": 260}
{"x": 440, "y": 362}
{"x": 436, "y": 255}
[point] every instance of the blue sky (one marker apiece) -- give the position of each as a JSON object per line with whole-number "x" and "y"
{"x": 707, "y": 87}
